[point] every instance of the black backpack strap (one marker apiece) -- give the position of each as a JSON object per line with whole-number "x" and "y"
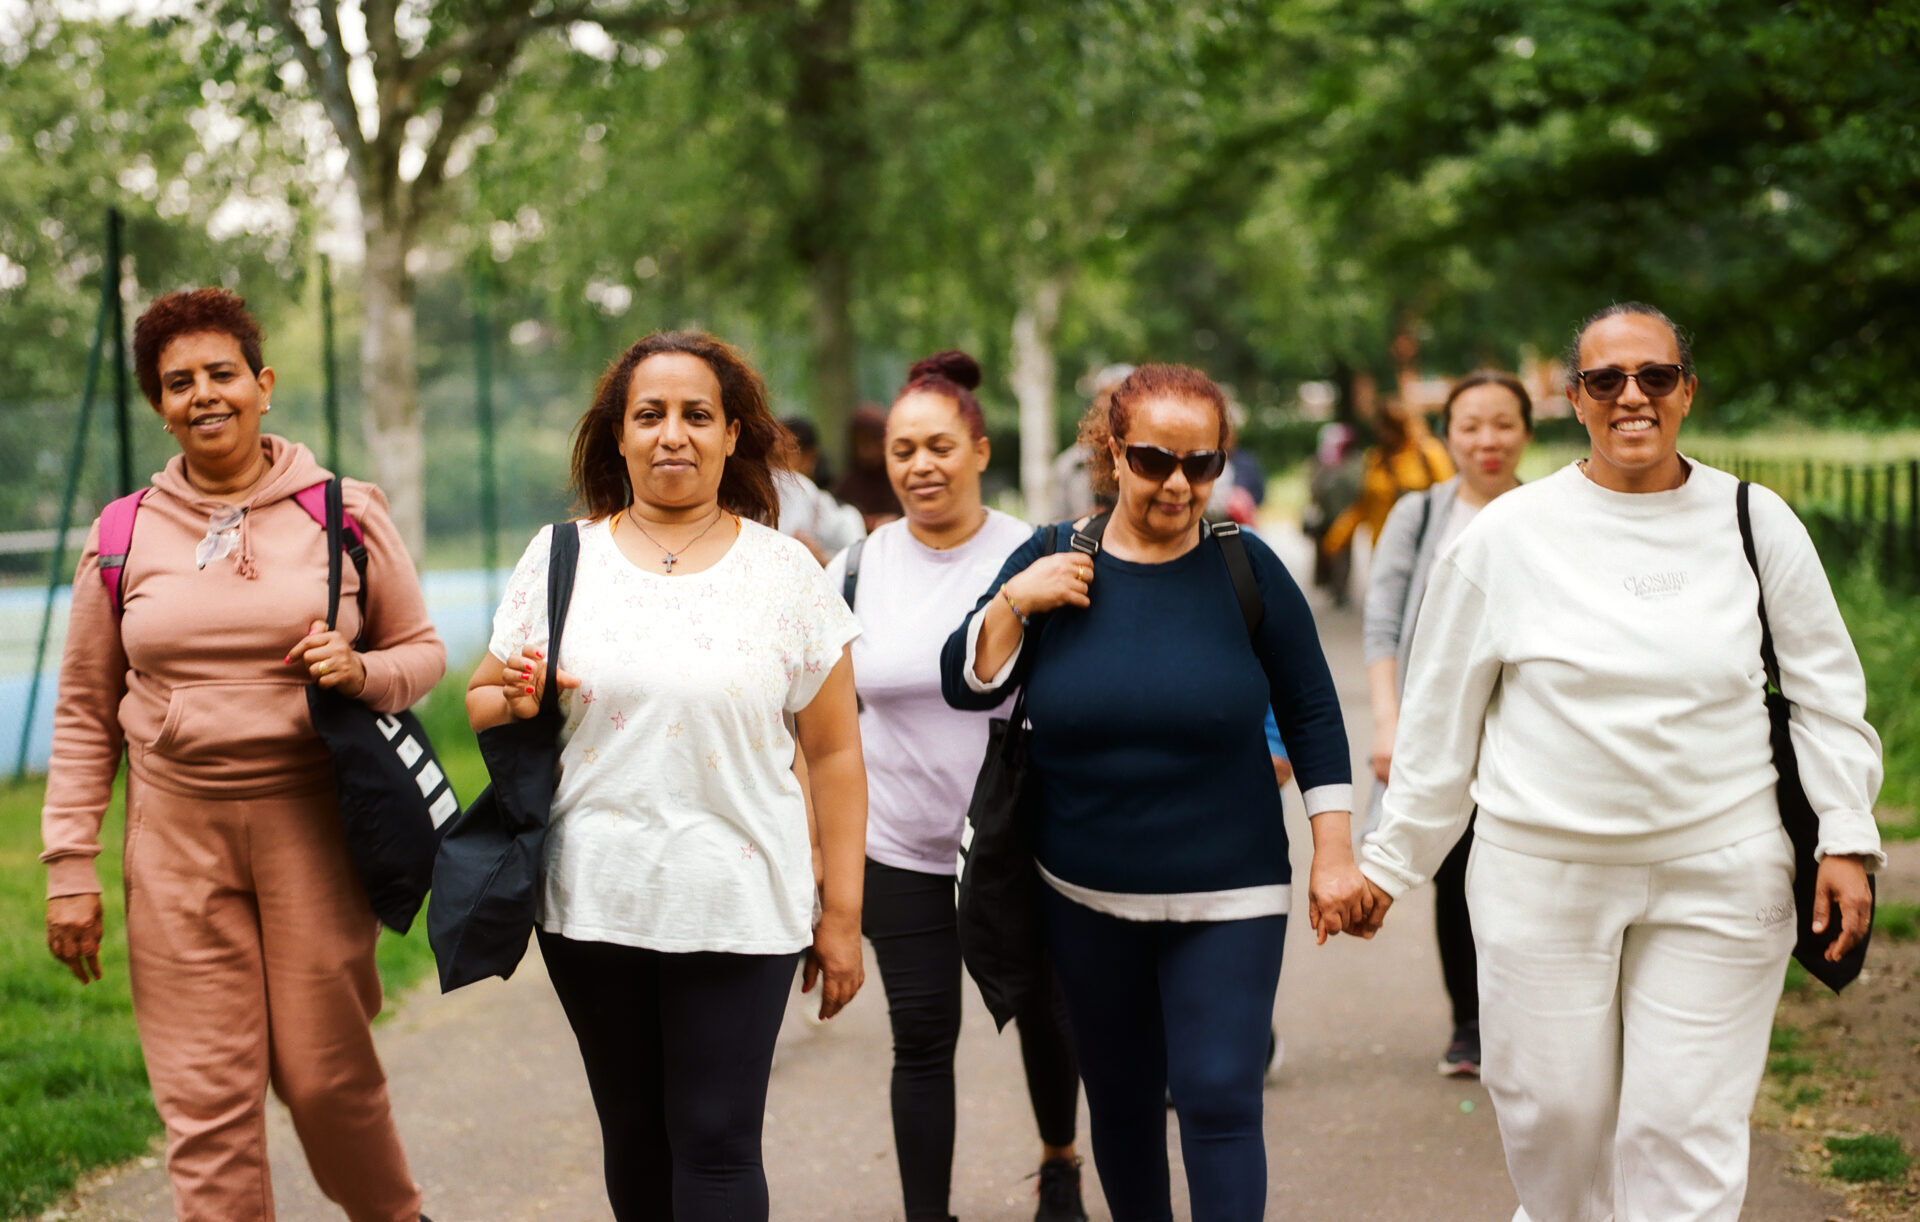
{"x": 850, "y": 582}
{"x": 563, "y": 560}
{"x": 1767, "y": 657}
{"x": 1233, "y": 549}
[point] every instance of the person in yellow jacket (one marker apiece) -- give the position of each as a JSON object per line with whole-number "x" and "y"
{"x": 1404, "y": 458}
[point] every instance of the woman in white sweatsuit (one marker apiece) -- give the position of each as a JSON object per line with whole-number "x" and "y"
{"x": 1587, "y": 671}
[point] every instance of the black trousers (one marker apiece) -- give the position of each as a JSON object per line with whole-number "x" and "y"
{"x": 909, "y": 918}
{"x": 678, "y": 1048}
{"x": 1459, "y": 965}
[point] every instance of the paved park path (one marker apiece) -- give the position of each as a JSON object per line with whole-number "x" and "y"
{"x": 494, "y": 1108}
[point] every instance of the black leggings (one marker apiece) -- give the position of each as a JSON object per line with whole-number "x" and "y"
{"x": 678, "y": 1048}
{"x": 909, "y": 918}
{"x": 1459, "y": 966}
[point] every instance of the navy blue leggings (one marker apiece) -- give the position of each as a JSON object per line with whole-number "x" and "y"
{"x": 1159, "y": 1004}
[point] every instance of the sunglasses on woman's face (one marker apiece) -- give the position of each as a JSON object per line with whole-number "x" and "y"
{"x": 1656, "y": 381}
{"x": 1157, "y": 463}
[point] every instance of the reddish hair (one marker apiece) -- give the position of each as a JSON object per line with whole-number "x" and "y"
{"x": 600, "y": 482}
{"x": 953, "y": 375}
{"x": 187, "y": 313}
{"x": 1111, "y": 414}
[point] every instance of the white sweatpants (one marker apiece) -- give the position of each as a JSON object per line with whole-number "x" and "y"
{"x": 1624, "y": 1016}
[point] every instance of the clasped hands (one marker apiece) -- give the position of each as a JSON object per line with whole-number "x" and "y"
{"x": 1340, "y": 899}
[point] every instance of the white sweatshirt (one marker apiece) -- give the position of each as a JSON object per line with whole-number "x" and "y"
{"x": 1586, "y": 670}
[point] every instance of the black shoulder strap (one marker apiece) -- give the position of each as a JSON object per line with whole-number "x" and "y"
{"x": 563, "y": 559}
{"x": 1767, "y": 657}
{"x": 1426, "y": 518}
{"x": 337, "y": 546}
{"x": 1233, "y": 549}
{"x": 850, "y": 582}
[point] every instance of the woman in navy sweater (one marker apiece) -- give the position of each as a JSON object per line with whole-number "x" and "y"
{"x": 1160, "y": 837}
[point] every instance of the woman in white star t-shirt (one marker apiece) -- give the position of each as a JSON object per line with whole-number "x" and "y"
{"x": 678, "y": 887}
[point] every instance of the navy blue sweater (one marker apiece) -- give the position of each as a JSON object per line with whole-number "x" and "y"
{"x": 1148, "y": 721}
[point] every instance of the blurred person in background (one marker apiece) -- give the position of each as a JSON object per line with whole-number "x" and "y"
{"x": 1159, "y": 831}
{"x": 1586, "y": 685}
{"x": 1404, "y": 458}
{"x": 250, "y": 938}
{"x": 808, "y": 513}
{"x": 915, "y": 579}
{"x": 1487, "y": 422}
{"x": 678, "y": 888}
{"x": 1333, "y": 486}
{"x": 1074, "y": 495}
{"x": 865, "y": 485}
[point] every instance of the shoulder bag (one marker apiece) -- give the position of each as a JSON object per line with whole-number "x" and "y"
{"x": 486, "y": 877}
{"x": 1796, "y": 812}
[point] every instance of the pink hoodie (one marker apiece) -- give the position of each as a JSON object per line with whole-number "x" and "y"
{"x": 191, "y": 680}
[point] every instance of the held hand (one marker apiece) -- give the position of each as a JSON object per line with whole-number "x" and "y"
{"x": 1060, "y": 580}
{"x": 525, "y": 681}
{"x": 834, "y": 962}
{"x": 1339, "y": 897}
{"x": 74, "y": 926}
{"x": 1842, "y": 884}
{"x": 1381, "y": 902}
{"x": 329, "y": 658}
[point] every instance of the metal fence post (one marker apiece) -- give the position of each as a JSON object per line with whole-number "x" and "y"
{"x": 108, "y": 289}
{"x": 483, "y": 410}
{"x": 123, "y": 429}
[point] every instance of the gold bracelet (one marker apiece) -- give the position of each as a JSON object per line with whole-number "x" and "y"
{"x": 1014, "y": 607}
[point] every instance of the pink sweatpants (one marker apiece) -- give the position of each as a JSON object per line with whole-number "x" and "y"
{"x": 252, "y": 962}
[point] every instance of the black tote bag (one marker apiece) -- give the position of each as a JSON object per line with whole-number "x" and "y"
{"x": 1796, "y": 812}
{"x": 393, "y": 798}
{"x": 486, "y": 877}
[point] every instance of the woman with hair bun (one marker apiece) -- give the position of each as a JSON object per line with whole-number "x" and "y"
{"x": 910, "y": 581}
{"x": 1159, "y": 832}
{"x": 678, "y": 887}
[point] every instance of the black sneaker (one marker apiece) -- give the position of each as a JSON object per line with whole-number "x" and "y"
{"x": 1462, "y": 1059}
{"x": 1060, "y": 1192}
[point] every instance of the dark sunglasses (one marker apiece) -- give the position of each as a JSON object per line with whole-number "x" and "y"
{"x": 1157, "y": 463}
{"x": 1656, "y": 381}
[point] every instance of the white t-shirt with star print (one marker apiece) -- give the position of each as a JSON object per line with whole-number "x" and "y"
{"x": 677, "y": 823}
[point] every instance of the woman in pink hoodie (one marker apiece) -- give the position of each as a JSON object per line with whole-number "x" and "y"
{"x": 250, "y": 939}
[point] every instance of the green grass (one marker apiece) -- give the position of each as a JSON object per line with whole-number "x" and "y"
{"x": 73, "y": 1089}
{"x": 1785, "y": 1039}
{"x": 1869, "y": 1156}
{"x": 1803, "y": 1096}
{"x": 1883, "y": 624}
{"x": 1787, "y": 1066}
{"x": 73, "y": 1086}
{"x": 1899, "y": 922}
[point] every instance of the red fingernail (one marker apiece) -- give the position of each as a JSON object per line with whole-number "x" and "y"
{"x": 529, "y": 691}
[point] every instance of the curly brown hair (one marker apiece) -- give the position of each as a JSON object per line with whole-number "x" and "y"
{"x": 185, "y": 313}
{"x": 600, "y": 482}
{"x": 1110, "y": 414}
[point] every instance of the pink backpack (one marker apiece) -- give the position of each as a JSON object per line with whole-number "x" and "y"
{"x": 116, "y": 534}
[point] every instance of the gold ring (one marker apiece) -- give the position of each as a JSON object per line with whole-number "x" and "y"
{"x": 323, "y": 668}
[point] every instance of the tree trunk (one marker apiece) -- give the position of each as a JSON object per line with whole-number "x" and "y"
{"x": 390, "y": 378}
{"x": 1033, "y": 379}
{"x": 834, "y": 387}
{"x": 828, "y": 121}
